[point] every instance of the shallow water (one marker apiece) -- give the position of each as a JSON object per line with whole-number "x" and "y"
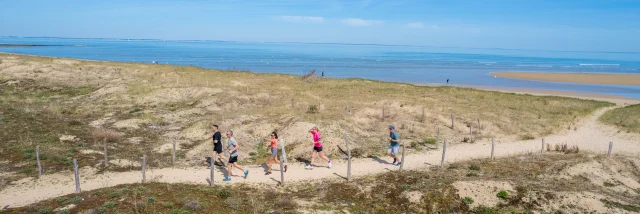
{"x": 409, "y": 64}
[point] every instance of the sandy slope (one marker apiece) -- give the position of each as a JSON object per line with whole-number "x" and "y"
{"x": 587, "y": 78}
{"x": 590, "y": 136}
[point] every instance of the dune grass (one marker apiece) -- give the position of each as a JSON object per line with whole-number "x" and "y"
{"x": 626, "y": 118}
{"x": 43, "y": 98}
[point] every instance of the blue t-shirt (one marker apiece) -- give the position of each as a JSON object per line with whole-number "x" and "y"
{"x": 394, "y": 135}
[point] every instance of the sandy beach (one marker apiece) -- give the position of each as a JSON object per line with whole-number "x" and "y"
{"x": 585, "y": 78}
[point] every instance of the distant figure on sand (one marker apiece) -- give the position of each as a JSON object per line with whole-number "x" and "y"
{"x": 217, "y": 148}
{"x": 394, "y": 145}
{"x": 273, "y": 158}
{"x": 233, "y": 156}
{"x": 447, "y": 81}
{"x": 322, "y": 73}
{"x": 317, "y": 148}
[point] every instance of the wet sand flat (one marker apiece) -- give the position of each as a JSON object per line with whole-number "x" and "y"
{"x": 585, "y": 78}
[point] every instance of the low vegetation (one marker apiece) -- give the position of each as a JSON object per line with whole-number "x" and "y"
{"x": 539, "y": 183}
{"x": 72, "y": 108}
{"x": 627, "y": 119}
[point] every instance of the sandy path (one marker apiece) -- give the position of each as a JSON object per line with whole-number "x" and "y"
{"x": 590, "y": 136}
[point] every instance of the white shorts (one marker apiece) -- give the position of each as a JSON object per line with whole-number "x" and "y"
{"x": 393, "y": 149}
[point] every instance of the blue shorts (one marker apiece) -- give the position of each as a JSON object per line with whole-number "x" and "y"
{"x": 393, "y": 149}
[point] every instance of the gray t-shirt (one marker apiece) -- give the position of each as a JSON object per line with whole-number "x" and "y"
{"x": 232, "y": 143}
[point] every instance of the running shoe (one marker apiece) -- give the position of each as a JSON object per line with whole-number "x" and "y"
{"x": 227, "y": 179}
{"x": 246, "y": 173}
{"x": 329, "y": 164}
{"x": 398, "y": 164}
{"x": 268, "y": 173}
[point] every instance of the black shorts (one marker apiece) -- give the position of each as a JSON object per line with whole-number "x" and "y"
{"x": 217, "y": 148}
{"x": 233, "y": 159}
{"x": 317, "y": 149}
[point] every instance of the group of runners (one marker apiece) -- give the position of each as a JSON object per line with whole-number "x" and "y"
{"x": 233, "y": 146}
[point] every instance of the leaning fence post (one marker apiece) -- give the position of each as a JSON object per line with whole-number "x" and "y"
{"x": 348, "y": 157}
{"x": 38, "y": 159}
{"x": 173, "y": 152}
{"x": 451, "y": 120}
{"x": 479, "y": 128}
{"x": 76, "y": 175}
{"x": 470, "y": 133}
{"x": 106, "y": 156}
{"x": 402, "y": 159}
{"x": 493, "y": 145}
{"x": 211, "y": 170}
{"x": 144, "y": 168}
{"x": 610, "y": 148}
{"x": 542, "y": 147}
{"x": 444, "y": 151}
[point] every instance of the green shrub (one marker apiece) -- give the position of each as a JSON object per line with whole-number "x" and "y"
{"x": 503, "y": 194}
{"x": 608, "y": 184}
{"x": 472, "y": 174}
{"x": 224, "y": 194}
{"x": 64, "y": 212}
{"x": 430, "y": 141}
{"x": 468, "y": 200}
{"x": 474, "y": 167}
{"x": 135, "y": 110}
{"x": 151, "y": 200}
{"x": 313, "y": 109}
{"x": 109, "y": 204}
{"x": 253, "y": 153}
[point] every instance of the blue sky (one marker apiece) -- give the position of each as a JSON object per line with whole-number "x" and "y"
{"x": 585, "y": 25}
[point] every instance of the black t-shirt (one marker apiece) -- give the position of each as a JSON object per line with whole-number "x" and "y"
{"x": 217, "y": 137}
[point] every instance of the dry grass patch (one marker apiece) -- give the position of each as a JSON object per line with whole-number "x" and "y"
{"x": 626, "y": 118}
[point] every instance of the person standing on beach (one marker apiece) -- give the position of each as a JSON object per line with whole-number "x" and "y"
{"x": 273, "y": 147}
{"x": 447, "y": 81}
{"x": 233, "y": 156}
{"x": 217, "y": 147}
{"x": 317, "y": 148}
{"x": 394, "y": 146}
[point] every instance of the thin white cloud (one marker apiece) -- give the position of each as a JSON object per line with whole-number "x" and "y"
{"x": 316, "y": 19}
{"x": 359, "y": 22}
{"x": 416, "y": 25}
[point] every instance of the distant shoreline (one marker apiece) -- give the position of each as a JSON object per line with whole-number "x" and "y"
{"x": 584, "y": 78}
{"x": 25, "y": 45}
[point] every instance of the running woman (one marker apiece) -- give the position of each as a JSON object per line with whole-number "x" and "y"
{"x": 232, "y": 147}
{"x": 274, "y": 151}
{"x": 394, "y": 145}
{"x": 317, "y": 148}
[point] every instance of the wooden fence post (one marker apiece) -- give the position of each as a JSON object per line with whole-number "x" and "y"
{"x": 479, "y": 128}
{"x": 610, "y": 148}
{"x": 422, "y": 120}
{"x": 348, "y": 157}
{"x": 542, "y": 148}
{"x": 451, "y": 120}
{"x": 470, "y": 133}
{"x": 211, "y": 171}
{"x": 77, "y": 175}
{"x": 444, "y": 151}
{"x": 144, "y": 168}
{"x": 282, "y": 160}
{"x": 493, "y": 145}
{"x": 173, "y": 152}
{"x": 106, "y": 156}
{"x": 402, "y": 159}
{"x": 38, "y": 159}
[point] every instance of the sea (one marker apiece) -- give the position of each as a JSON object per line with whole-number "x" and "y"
{"x": 392, "y": 63}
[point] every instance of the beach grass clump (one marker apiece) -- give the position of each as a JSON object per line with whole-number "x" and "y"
{"x": 626, "y": 119}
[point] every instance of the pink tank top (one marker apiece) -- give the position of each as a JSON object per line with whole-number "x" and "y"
{"x": 316, "y": 139}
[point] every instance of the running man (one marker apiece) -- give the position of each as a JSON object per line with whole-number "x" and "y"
{"x": 317, "y": 148}
{"x": 273, "y": 147}
{"x": 394, "y": 145}
{"x": 233, "y": 156}
{"x": 217, "y": 147}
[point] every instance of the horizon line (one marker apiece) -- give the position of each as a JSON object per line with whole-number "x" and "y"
{"x": 322, "y": 43}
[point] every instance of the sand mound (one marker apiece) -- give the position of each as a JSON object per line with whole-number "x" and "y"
{"x": 609, "y": 173}
{"x": 482, "y": 192}
{"x": 129, "y": 124}
{"x": 170, "y": 95}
